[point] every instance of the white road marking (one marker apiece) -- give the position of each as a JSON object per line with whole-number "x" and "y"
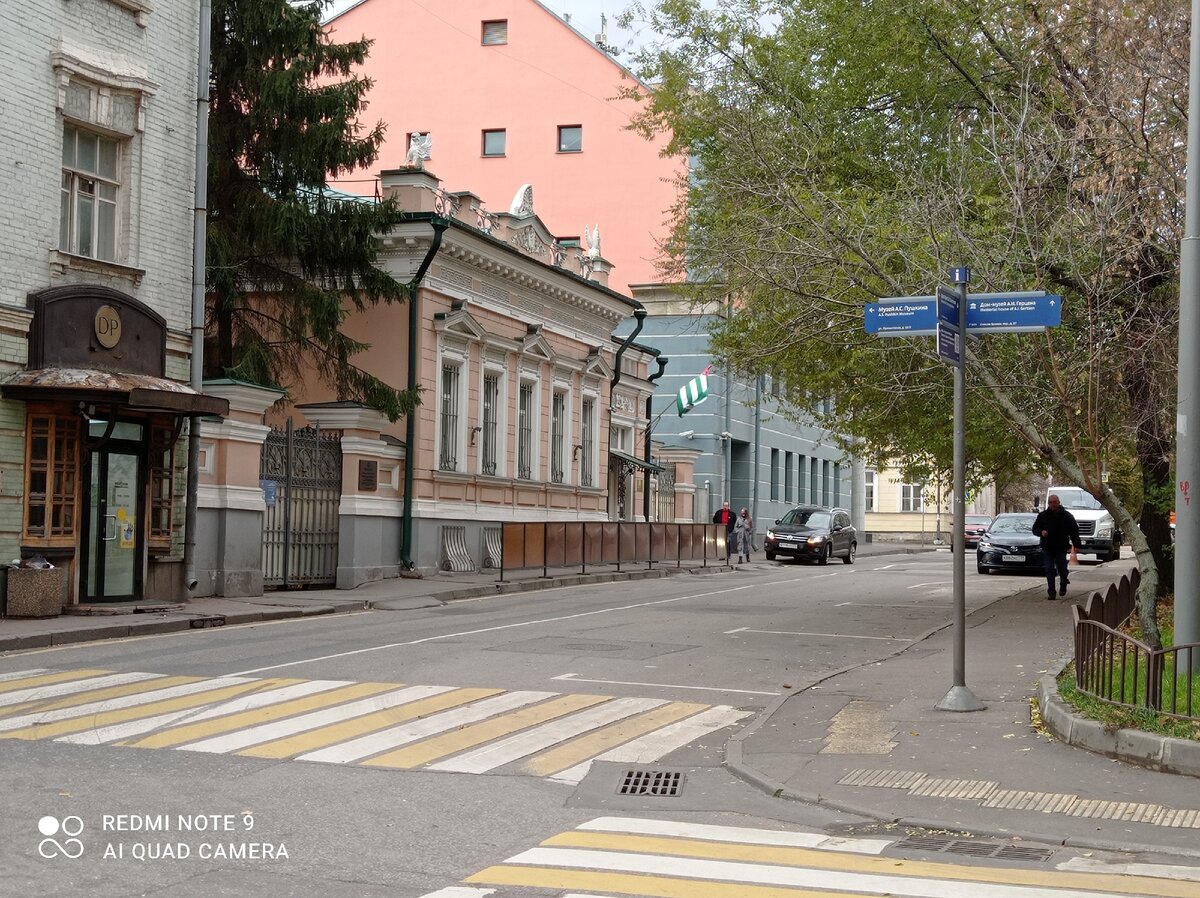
{"x": 578, "y": 679}
{"x": 738, "y": 834}
{"x": 1155, "y": 871}
{"x": 53, "y": 690}
{"x": 649, "y": 748}
{"x": 505, "y": 751}
{"x": 20, "y": 674}
{"x": 232, "y": 706}
{"x": 374, "y": 743}
{"x": 115, "y": 704}
{"x": 910, "y": 605}
{"x": 463, "y": 892}
{"x": 777, "y": 875}
{"x": 932, "y": 583}
{"x": 265, "y": 732}
{"x": 830, "y": 635}
{"x": 496, "y": 629}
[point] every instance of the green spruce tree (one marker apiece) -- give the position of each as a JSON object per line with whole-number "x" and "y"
{"x": 288, "y": 259}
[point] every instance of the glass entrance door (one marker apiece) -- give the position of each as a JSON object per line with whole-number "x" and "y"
{"x": 113, "y": 568}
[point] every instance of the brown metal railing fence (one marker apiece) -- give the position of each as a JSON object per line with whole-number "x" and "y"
{"x": 566, "y": 544}
{"x": 1116, "y": 668}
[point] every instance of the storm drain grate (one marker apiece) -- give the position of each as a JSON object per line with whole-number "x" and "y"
{"x": 663, "y": 783}
{"x": 975, "y": 849}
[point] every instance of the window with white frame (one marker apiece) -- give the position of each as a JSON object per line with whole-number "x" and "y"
{"x": 558, "y": 439}
{"x": 621, "y": 438}
{"x": 910, "y": 497}
{"x": 587, "y": 440}
{"x": 869, "y": 489}
{"x": 774, "y": 475}
{"x": 89, "y": 218}
{"x": 526, "y": 429}
{"x": 490, "y": 437}
{"x": 449, "y": 417}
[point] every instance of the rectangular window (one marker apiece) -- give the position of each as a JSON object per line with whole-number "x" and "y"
{"x": 51, "y": 477}
{"x": 789, "y": 479}
{"x": 525, "y": 415}
{"x": 494, "y": 141}
{"x": 491, "y": 419}
{"x": 448, "y": 421}
{"x": 869, "y": 489}
{"x": 558, "y": 424}
{"x": 89, "y": 191}
{"x": 162, "y": 485}
{"x": 587, "y": 474}
{"x": 910, "y": 497}
{"x": 774, "y": 475}
{"x": 814, "y": 482}
{"x": 826, "y": 484}
{"x": 494, "y": 33}
{"x": 570, "y": 138}
{"x": 802, "y": 479}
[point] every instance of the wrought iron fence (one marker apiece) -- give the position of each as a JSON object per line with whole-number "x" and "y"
{"x": 1116, "y": 668}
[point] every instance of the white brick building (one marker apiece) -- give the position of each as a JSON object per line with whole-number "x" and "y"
{"x": 97, "y": 161}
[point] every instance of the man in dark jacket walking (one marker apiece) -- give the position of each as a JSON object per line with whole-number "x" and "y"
{"x": 725, "y": 516}
{"x": 1059, "y": 533}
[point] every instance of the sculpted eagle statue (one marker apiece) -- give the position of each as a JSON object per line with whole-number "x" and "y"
{"x": 420, "y": 148}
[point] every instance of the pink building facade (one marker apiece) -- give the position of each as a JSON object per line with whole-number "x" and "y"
{"x": 511, "y": 94}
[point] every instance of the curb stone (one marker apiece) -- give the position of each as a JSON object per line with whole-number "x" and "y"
{"x": 1165, "y": 753}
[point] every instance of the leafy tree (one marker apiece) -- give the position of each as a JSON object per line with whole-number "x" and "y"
{"x": 288, "y": 259}
{"x": 850, "y": 151}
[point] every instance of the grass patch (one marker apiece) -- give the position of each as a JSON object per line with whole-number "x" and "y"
{"x": 1115, "y": 717}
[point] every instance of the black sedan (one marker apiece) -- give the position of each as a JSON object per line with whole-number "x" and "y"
{"x": 813, "y": 533}
{"x": 1009, "y": 544}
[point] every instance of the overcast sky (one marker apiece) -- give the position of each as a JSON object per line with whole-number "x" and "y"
{"x": 584, "y": 17}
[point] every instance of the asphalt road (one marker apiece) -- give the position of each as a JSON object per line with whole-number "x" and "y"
{"x": 537, "y": 694}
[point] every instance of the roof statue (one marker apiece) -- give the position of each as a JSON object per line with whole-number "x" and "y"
{"x": 592, "y": 240}
{"x": 420, "y": 148}
{"x": 522, "y": 204}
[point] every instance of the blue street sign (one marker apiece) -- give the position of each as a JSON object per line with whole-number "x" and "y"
{"x": 947, "y": 305}
{"x": 948, "y": 345}
{"x": 912, "y": 316}
{"x": 1012, "y": 312}
{"x": 960, "y": 275}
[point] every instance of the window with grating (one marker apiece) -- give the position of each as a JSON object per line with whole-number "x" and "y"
{"x": 491, "y": 412}
{"x": 587, "y": 476}
{"x": 558, "y": 414}
{"x": 448, "y": 422}
{"x": 525, "y": 413}
{"x": 162, "y": 485}
{"x": 51, "y": 478}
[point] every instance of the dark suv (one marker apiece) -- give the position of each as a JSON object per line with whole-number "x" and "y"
{"x": 814, "y": 533}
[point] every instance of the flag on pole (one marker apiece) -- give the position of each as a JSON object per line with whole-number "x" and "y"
{"x": 692, "y": 393}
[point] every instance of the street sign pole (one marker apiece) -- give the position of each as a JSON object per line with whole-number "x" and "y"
{"x": 960, "y": 697}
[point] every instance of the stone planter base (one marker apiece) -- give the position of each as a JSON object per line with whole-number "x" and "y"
{"x": 35, "y": 593}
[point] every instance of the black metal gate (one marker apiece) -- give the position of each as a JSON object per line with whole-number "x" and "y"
{"x": 302, "y": 481}
{"x": 666, "y": 494}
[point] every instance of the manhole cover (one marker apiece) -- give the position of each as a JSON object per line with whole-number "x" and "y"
{"x": 662, "y": 783}
{"x": 975, "y": 849}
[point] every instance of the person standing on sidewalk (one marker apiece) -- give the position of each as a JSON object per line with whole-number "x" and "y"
{"x": 1059, "y": 532}
{"x": 725, "y": 515}
{"x": 743, "y": 531}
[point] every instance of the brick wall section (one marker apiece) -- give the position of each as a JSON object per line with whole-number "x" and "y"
{"x": 158, "y": 236}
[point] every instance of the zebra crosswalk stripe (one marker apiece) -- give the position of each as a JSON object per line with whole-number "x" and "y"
{"x": 55, "y": 684}
{"x": 703, "y": 861}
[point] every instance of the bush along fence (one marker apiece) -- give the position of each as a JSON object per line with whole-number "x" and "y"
{"x": 1114, "y": 667}
{"x": 565, "y": 544}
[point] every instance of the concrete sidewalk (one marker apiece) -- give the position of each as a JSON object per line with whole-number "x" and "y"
{"x": 868, "y": 740}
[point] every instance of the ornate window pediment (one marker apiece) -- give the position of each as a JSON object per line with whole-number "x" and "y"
{"x": 459, "y": 323}
{"x": 534, "y": 345}
{"x": 596, "y": 366}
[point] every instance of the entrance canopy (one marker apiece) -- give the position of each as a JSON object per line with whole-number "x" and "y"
{"x": 142, "y": 392}
{"x": 634, "y": 462}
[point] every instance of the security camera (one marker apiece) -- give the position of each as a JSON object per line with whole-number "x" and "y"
{"x": 726, "y": 435}
{"x": 687, "y": 433}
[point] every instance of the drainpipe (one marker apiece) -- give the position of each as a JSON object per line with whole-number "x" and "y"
{"x": 410, "y": 423}
{"x": 662, "y": 366}
{"x": 758, "y": 385}
{"x": 199, "y": 263}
